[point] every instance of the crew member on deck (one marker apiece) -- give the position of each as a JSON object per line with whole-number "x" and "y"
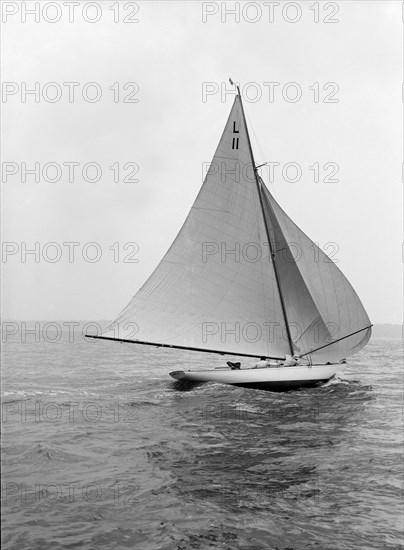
{"x": 264, "y": 364}
{"x": 288, "y": 362}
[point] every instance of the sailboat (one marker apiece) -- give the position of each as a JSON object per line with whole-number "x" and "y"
{"x": 242, "y": 279}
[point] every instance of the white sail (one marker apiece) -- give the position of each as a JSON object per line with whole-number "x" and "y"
{"x": 321, "y": 305}
{"x": 215, "y": 287}
{"x": 242, "y": 278}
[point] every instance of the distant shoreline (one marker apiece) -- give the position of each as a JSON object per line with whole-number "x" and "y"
{"x": 387, "y": 331}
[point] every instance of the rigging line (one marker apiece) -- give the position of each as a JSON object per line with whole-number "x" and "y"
{"x": 174, "y": 346}
{"x": 335, "y": 341}
{"x": 290, "y": 341}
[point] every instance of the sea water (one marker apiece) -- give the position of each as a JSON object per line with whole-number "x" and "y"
{"x": 102, "y": 449}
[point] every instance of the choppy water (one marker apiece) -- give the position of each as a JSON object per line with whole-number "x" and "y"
{"x": 102, "y": 450}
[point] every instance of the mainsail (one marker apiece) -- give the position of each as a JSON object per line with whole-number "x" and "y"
{"x": 232, "y": 282}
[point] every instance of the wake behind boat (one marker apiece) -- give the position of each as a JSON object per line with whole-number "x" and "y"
{"x": 242, "y": 279}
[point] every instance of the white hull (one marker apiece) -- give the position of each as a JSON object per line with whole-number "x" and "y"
{"x": 271, "y": 378}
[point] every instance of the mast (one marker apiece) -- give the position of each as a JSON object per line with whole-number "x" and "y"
{"x": 273, "y": 254}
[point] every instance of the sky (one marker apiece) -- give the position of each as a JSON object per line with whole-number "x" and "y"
{"x": 121, "y": 148}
